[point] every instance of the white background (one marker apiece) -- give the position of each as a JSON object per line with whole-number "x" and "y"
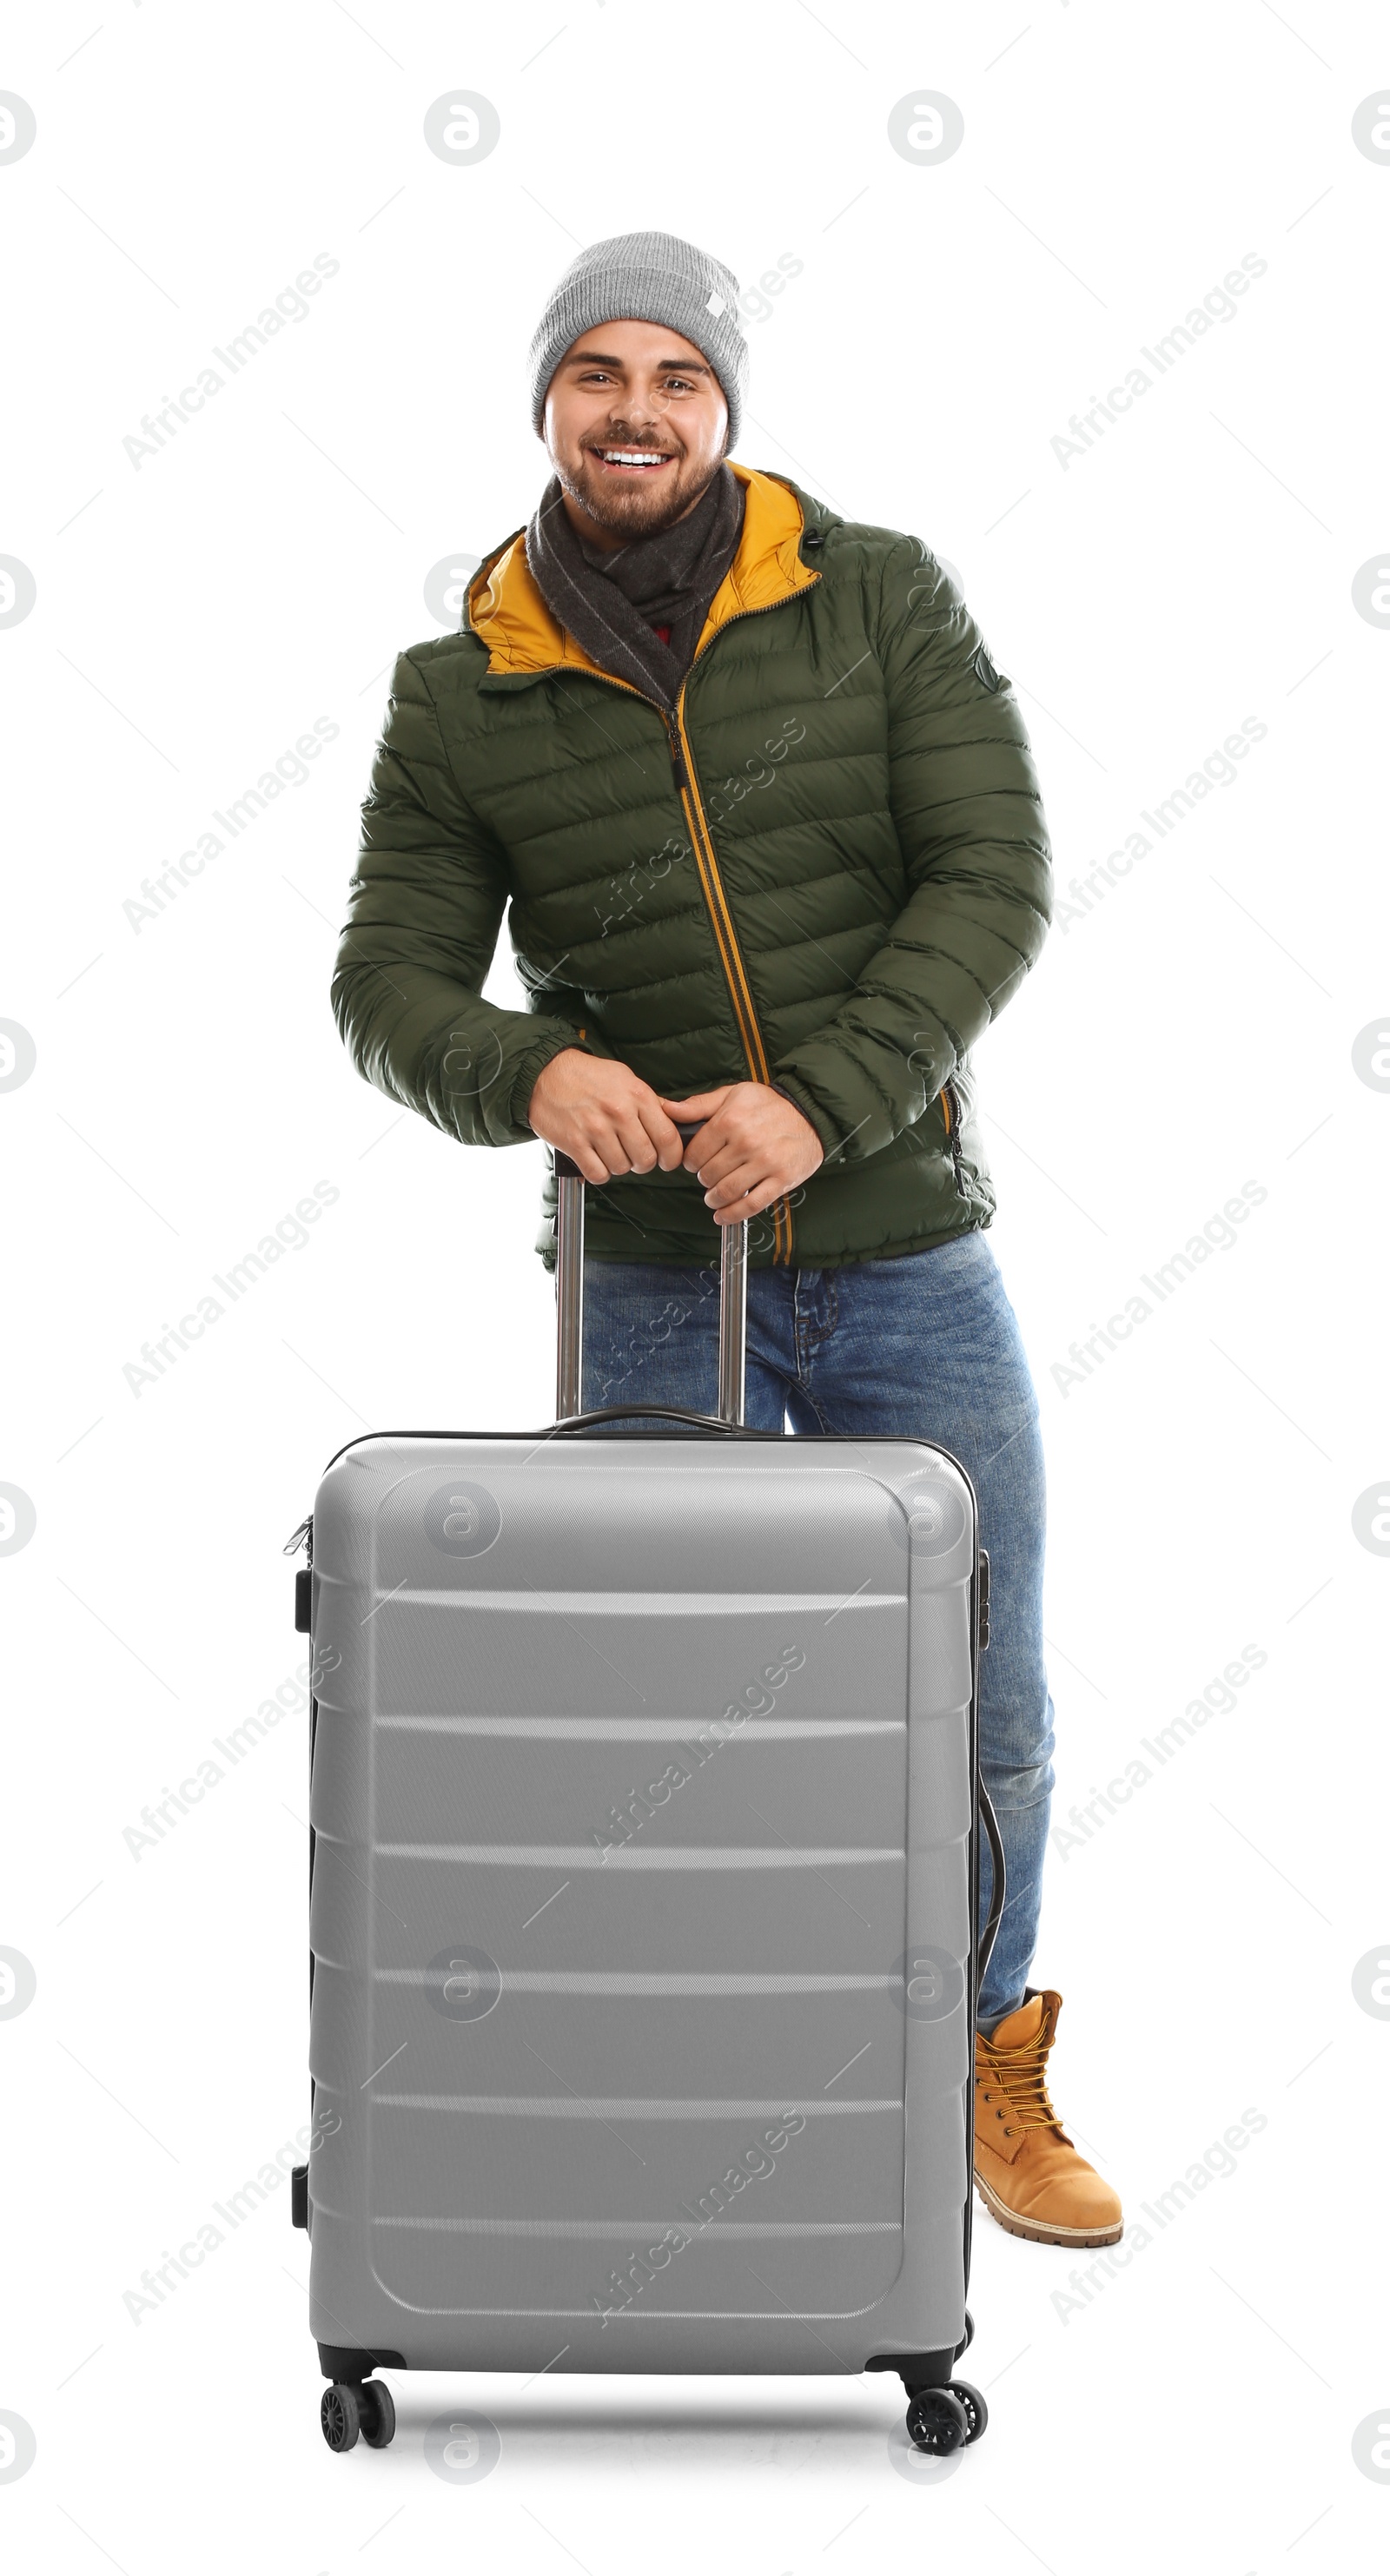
{"x": 195, "y": 611}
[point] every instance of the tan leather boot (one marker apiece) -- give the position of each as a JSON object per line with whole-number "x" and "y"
{"x": 1027, "y": 2172}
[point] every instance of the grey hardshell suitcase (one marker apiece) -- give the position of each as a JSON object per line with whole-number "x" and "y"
{"x": 645, "y": 1811}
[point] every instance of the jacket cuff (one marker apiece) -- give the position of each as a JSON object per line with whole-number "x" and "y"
{"x": 814, "y": 1116}
{"x": 532, "y": 1065}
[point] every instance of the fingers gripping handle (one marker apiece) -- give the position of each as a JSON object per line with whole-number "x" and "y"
{"x": 568, "y": 1170}
{"x": 569, "y": 1278}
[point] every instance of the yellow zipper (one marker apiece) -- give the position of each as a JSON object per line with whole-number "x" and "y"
{"x": 730, "y": 954}
{"x": 726, "y": 938}
{"x": 717, "y": 906}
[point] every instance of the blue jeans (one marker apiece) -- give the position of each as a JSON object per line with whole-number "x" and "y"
{"x": 925, "y": 1347}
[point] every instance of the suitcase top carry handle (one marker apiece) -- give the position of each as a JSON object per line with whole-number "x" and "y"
{"x": 569, "y": 1278}
{"x": 707, "y": 1422}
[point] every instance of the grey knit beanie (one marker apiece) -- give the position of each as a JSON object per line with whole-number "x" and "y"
{"x": 646, "y": 277}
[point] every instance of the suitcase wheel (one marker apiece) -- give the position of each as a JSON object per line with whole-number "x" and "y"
{"x": 976, "y": 2411}
{"x": 351, "y": 2407}
{"x": 340, "y": 2414}
{"x": 379, "y": 2414}
{"x": 942, "y": 2420}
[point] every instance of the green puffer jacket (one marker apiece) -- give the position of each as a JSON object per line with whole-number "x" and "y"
{"x": 829, "y": 870}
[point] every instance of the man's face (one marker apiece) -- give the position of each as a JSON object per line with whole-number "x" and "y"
{"x": 633, "y": 391}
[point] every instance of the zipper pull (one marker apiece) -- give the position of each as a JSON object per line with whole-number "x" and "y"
{"x": 304, "y": 1533}
{"x": 677, "y": 755}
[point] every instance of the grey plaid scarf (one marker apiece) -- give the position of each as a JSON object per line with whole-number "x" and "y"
{"x": 613, "y": 602}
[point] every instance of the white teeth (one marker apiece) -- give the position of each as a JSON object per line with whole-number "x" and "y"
{"x": 629, "y": 456}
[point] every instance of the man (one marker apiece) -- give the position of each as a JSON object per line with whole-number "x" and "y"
{"x": 768, "y": 824}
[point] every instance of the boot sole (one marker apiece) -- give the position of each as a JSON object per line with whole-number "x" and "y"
{"x": 1036, "y": 2232}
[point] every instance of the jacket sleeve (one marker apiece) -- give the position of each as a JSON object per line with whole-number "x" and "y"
{"x": 966, "y": 803}
{"x": 426, "y": 905}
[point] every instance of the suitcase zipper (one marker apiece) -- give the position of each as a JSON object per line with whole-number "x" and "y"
{"x": 304, "y": 1587}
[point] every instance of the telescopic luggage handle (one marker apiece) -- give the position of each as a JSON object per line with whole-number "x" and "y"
{"x": 569, "y": 1273}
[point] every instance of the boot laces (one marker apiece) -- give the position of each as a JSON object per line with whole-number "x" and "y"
{"x": 1020, "y": 2074}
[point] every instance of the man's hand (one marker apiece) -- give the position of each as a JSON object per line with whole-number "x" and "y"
{"x": 752, "y": 1147}
{"x": 603, "y": 1116}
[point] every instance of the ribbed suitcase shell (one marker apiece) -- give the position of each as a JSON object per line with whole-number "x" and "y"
{"x": 612, "y": 2080}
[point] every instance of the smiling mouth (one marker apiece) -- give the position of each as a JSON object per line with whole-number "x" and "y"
{"x": 632, "y": 460}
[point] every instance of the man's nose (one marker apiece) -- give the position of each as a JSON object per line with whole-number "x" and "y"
{"x": 636, "y": 410}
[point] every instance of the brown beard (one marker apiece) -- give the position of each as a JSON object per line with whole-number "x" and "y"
{"x": 659, "y": 511}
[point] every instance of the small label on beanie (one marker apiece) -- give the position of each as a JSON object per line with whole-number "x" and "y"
{"x": 715, "y": 305}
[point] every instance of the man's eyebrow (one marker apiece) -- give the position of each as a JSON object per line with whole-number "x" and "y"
{"x": 664, "y": 367}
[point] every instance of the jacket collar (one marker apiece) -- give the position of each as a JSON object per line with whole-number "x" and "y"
{"x": 506, "y": 612}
